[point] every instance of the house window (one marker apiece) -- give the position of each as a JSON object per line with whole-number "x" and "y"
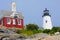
{"x": 15, "y": 16}
{"x": 8, "y": 21}
{"x": 19, "y": 22}
{"x": 14, "y": 22}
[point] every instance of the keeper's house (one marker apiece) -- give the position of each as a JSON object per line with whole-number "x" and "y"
{"x": 11, "y": 19}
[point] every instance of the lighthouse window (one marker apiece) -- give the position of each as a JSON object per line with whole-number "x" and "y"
{"x": 46, "y": 21}
{"x": 19, "y": 22}
{"x": 8, "y": 21}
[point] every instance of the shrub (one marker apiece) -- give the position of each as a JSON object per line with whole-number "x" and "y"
{"x": 32, "y": 27}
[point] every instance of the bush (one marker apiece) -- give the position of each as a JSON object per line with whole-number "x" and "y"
{"x": 40, "y": 31}
{"x": 52, "y": 31}
{"x": 56, "y": 29}
{"x": 46, "y": 31}
{"x": 32, "y": 27}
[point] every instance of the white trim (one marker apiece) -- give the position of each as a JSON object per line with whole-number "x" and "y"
{"x": 14, "y": 22}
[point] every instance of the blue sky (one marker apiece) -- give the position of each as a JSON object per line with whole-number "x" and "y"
{"x": 33, "y": 10}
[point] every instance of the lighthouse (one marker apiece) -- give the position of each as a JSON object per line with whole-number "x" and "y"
{"x": 47, "y": 23}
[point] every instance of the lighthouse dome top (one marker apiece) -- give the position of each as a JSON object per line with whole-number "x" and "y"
{"x": 46, "y": 12}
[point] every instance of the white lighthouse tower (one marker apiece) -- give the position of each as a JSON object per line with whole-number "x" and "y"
{"x": 47, "y": 24}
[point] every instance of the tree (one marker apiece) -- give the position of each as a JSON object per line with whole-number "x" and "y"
{"x": 32, "y": 27}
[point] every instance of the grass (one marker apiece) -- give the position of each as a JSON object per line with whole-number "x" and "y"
{"x": 28, "y": 32}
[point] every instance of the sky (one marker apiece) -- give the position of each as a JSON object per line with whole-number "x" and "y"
{"x": 32, "y": 10}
